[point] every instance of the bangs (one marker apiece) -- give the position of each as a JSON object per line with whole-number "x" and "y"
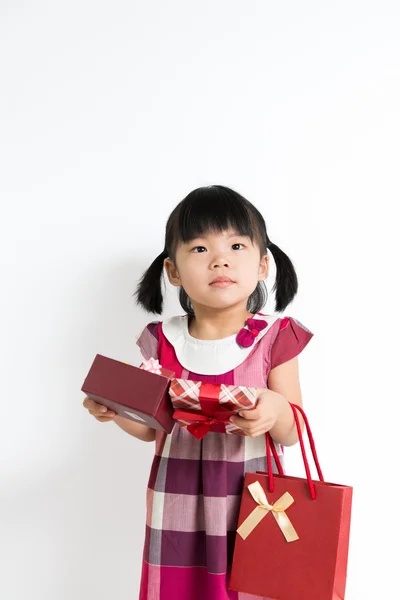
{"x": 214, "y": 209}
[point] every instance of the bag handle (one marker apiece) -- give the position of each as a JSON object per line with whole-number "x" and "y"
{"x": 271, "y": 444}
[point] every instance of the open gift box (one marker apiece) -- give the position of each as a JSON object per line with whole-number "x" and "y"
{"x": 151, "y": 395}
{"x": 132, "y": 392}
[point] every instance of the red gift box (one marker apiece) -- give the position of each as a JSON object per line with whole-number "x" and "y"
{"x": 132, "y": 392}
{"x": 202, "y": 407}
{"x": 292, "y": 540}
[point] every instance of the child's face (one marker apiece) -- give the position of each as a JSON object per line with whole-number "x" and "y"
{"x": 228, "y": 254}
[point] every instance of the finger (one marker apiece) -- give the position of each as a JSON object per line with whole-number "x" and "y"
{"x": 250, "y": 415}
{"x": 242, "y": 422}
{"x": 105, "y": 419}
{"x": 252, "y": 431}
{"x": 246, "y": 430}
{"x": 95, "y": 406}
{"x": 90, "y": 404}
{"x": 260, "y": 430}
{"x": 253, "y": 434}
{"x": 98, "y": 413}
{"x": 239, "y": 422}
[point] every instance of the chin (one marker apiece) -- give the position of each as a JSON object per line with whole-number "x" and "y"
{"x": 226, "y": 302}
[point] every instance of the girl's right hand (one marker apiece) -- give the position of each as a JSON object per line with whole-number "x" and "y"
{"x": 100, "y": 412}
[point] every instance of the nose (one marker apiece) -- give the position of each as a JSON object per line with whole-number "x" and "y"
{"x": 221, "y": 262}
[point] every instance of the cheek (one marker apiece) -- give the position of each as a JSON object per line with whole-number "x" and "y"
{"x": 191, "y": 276}
{"x": 248, "y": 270}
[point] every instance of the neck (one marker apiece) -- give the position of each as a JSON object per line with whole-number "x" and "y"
{"x": 213, "y": 324}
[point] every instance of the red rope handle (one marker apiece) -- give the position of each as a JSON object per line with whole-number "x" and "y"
{"x": 311, "y": 440}
{"x": 270, "y": 444}
{"x": 311, "y": 485}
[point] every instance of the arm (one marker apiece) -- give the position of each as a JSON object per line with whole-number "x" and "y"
{"x": 284, "y": 381}
{"x": 139, "y": 431}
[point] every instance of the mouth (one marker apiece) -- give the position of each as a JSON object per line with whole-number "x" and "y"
{"x": 222, "y": 282}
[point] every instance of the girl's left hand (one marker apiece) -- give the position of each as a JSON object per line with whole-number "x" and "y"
{"x": 263, "y": 417}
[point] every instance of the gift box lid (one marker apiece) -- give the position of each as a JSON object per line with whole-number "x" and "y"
{"x": 126, "y": 384}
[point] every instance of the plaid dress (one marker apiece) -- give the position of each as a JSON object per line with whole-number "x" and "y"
{"x": 194, "y": 489}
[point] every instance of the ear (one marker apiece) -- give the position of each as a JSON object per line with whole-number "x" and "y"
{"x": 263, "y": 268}
{"x": 172, "y": 272}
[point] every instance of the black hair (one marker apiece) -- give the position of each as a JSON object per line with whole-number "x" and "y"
{"x": 216, "y": 208}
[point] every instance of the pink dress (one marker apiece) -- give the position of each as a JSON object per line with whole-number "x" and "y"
{"x": 194, "y": 489}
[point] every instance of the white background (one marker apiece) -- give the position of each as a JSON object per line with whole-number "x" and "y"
{"x": 110, "y": 114}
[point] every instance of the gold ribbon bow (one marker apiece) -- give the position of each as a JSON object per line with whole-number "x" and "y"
{"x": 263, "y": 508}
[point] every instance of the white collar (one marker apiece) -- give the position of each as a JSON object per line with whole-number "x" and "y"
{"x": 209, "y": 357}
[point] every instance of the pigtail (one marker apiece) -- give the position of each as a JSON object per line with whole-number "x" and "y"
{"x": 148, "y": 293}
{"x": 286, "y": 283}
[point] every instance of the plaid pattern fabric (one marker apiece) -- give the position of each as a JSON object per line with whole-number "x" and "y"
{"x": 194, "y": 488}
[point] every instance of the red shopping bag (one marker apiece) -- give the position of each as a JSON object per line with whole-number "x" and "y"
{"x": 293, "y": 534}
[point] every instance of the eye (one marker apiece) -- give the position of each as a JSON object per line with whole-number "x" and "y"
{"x": 204, "y": 248}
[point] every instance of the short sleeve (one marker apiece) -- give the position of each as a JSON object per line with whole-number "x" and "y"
{"x": 290, "y": 340}
{"x": 148, "y": 341}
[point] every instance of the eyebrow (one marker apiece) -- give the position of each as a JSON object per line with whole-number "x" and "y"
{"x": 229, "y": 236}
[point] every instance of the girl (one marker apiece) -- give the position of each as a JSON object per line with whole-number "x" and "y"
{"x": 195, "y": 486}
